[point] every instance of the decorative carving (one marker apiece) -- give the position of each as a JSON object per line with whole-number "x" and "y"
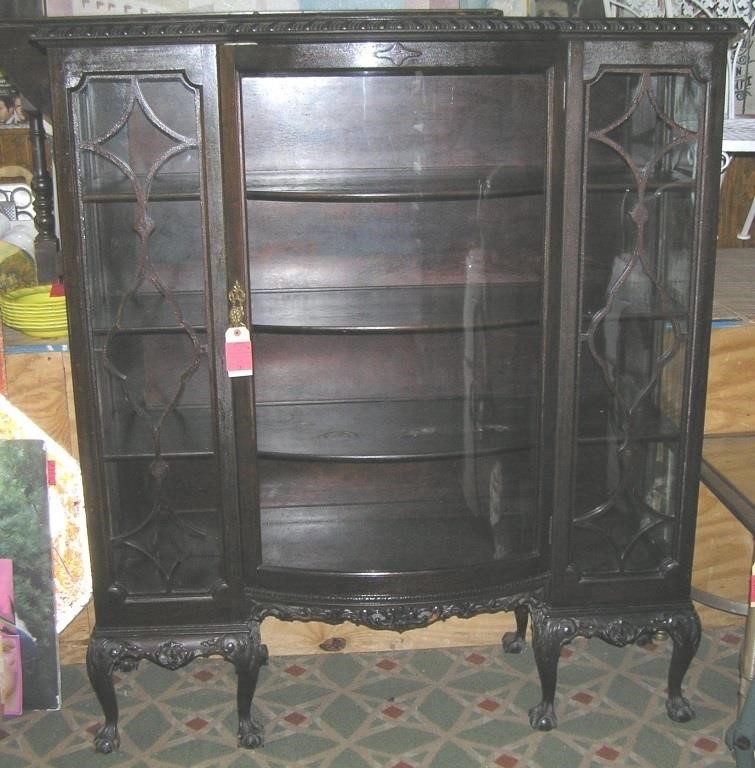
{"x": 236, "y": 301}
{"x": 155, "y": 536}
{"x": 550, "y": 633}
{"x": 173, "y": 655}
{"x": 712, "y": 8}
{"x": 242, "y": 649}
{"x": 219, "y": 27}
{"x": 397, "y": 54}
{"x": 399, "y": 618}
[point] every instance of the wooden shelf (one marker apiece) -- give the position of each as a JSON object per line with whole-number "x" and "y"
{"x": 397, "y": 309}
{"x": 149, "y": 313}
{"x": 164, "y": 188}
{"x": 649, "y": 425}
{"x": 387, "y": 538}
{"x": 619, "y": 179}
{"x": 396, "y": 184}
{"x": 186, "y": 432}
{"x": 393, "y": 430}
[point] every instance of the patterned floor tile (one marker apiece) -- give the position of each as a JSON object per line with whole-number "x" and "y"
{"x": 412, "y": 709}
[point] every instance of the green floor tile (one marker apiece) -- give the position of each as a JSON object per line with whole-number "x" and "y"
{"x": 192, "y": 753}
{"x": 657, "y": 748}
{"x": 452, "y": 756}
{"x": 390, "y": 688}
{"x": 46, "y": 732}
{"x": 296, "y": 694}
{"x": 433, "y": 665}
{"x": 296, "y": 746}
{"x": 396, "y": 740}
{"x": 341, "y": 669}
{"x": 441, "y": 708}
{"x": 348, "y": 759}
{"x": 496, "y": 733}
{"x": 486, "y": 681}
{"x": 344, "y": 715}
{"x": 146, "y": 727}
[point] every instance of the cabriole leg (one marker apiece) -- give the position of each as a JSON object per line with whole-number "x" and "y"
{"x": 248, "y": 661}
{"x": 242, "y": 648}
{"x": 548, "y": 635}
{"x": 514, "y": 642}
{"x": 102, "y": 657}
{"x": 685, "y": 633}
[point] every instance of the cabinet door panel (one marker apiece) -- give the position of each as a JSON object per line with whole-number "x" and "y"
{"x": 644, "y": 175}
{"x": 396, "y": 231}
{"x": 144, "y": 146}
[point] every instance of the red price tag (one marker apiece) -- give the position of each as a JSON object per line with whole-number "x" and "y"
{"x": 238, "y": 352}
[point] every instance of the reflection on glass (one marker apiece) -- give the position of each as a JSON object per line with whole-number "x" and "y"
{"x": 641, "y": 169}
{"x": 138, "y": 152}
{"x": 396, "y": 265}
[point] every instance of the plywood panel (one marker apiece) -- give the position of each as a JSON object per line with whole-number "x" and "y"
{"x": 737, "y": 190}
{"x": 37, "y": 385}
{"x": 285, "y": 638}
{"x": 15, "y": 153}
{"x": 731, "y": 381}
{"x": 70, "y": 407}
{"x": 723, "y": 555}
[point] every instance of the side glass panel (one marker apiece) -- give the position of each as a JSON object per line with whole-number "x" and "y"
{"x": 641, "y": 172}
{"x": 138, "y": 149}
{"x": 396, "y": 265}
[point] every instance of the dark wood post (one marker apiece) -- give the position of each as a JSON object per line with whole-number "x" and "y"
{"x": 46, "y": 242}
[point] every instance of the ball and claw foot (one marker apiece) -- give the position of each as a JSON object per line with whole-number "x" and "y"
{"x": 107, "y": 740}
{"x": 126, "y": 665}
{"x": 679, "y": 709}
{"x": 513, "y": 642}
{"x": 543, "y": 717}
{"x": 251, "y": 734}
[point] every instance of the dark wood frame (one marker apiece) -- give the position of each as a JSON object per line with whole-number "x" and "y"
{"x": 562, "y": 604}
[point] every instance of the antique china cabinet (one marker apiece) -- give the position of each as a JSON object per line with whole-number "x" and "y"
{"x": 386, "y": 319}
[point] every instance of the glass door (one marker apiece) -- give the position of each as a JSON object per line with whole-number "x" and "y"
{"x": 396, "y": 224}
{"x": 140, "y": 143}
{"x": 642, "y": 164}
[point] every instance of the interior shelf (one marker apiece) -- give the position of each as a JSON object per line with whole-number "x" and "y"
{"x": 185, "y": 431}
{"x": 149, "y": 312}
{"x": 619, "y": 178}
{"x": 164, "y": 187}
{"x": 395, "y": 309}
{"x": 599, "y": 426}
{"x": 365, "y": 184}
{"x": 393, "y": 430}
{"x": 402, "y": 430}
{"x": 397, "y": 537}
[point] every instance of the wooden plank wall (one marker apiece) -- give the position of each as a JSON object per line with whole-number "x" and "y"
{"x": 724, "y": 548}
{"x": 39, "y": 384}
{"x": 737, "y": 191}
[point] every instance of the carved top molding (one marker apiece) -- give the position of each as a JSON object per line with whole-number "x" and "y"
{"x": 217, "y": 27}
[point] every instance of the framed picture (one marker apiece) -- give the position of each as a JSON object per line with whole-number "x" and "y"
{"x": 30, "y": 667}
{"x": 11, "y": 675}
{"x": 12, "y": 106}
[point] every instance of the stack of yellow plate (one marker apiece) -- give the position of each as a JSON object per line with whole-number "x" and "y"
{"x": 34, "y": 312}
